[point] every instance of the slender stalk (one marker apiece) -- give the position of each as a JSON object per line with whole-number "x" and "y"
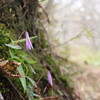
{"x": 15, "y": 89}
{"x": 23, "y": 40}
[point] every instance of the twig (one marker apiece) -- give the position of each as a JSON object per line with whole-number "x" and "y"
{"x": 21, "y": 34}
{"x": 44, "y": 13}
{"x": 80, "y": 34}
{"x": 15, "y": 89}
{"x": 44, "y": 89}
{"x": 46, "y": 35}
{"x": 67, "y": 41}
{"x": 41, "y": 77}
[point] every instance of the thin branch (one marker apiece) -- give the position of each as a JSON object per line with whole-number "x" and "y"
{"x": 15, "y": 89}
{"x": 79, "y": 35}
{"x": 21, "y": 34}
{"x": 68, "y": 41}
{"x": 41, "y": 77}
{"x": 44, "y": 13}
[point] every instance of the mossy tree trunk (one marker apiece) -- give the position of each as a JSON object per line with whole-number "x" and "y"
{"x": 21, "y": 15}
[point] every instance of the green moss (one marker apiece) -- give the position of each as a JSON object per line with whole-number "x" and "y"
{"x": 44, "y": 43}
{"x": 65, "y": 80}
{"x": 42, "y": 58}
{"x": 39, "y": 71}
{"x": 52, "y": 63}
{"x": 4, "y": 38}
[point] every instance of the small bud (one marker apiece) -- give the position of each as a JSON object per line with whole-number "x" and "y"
{"x": 49, "y": 78}
{"x": 29, "y": 45}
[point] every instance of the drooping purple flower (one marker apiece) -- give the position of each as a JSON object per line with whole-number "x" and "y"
{"x": 49, "y": 78}
{"x": 29, "y": 45}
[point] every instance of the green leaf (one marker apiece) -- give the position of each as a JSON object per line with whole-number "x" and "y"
{"x": 32, "y": 81}
{"x": 13, "y": 46}
{"x": 21, "y": 60}
{"x": 12, "y": 53}
{"x": 23, "y": 40}
{"x": 18, "y": 59}
{"x": 88, "y": 32}
{"x": 22, "y": 80}
{"x": 28, "y": 60}
{"x": 32, "y": 69}
{"x": 36, "y": 95}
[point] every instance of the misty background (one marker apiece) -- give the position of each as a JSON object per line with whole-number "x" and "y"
{"x": 74, "y": 30}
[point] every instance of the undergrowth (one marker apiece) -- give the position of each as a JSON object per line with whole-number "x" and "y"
{"x": 34, "y": 67}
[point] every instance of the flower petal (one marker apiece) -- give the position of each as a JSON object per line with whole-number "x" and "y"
{"x": 29, "y": 45}
{"x": 49, "y": 78}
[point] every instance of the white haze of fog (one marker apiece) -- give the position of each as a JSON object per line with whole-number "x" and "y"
{"x": 70, "y": 17}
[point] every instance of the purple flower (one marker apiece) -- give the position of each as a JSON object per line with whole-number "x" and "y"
{"x": 29, "y": 45}
{"x": 49, "y": 78}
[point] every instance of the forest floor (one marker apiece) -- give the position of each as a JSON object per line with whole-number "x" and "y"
{"x": 87, "y": 81}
